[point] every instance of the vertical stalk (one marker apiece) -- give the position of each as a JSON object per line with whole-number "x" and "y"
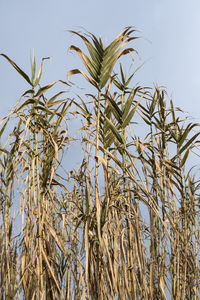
{"x": 39, "y": 211}
{"x": 97, "y": 198}
{"x": 126, "y": 189}
{"x": 6, "y": 229}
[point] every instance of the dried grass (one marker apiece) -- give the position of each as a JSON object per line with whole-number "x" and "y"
{"x": 125, "y": 225}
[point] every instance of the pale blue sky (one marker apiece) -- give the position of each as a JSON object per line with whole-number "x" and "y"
{"x": 170, "y": 44}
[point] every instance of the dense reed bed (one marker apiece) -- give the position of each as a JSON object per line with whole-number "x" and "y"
{"x": 125, "y": 224}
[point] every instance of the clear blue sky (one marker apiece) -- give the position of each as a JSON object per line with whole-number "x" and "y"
{"x": 170, "y": 44}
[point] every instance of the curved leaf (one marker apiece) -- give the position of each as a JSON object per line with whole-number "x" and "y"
{"x": 24, "y": 75}
{"x": 101, "y": 61}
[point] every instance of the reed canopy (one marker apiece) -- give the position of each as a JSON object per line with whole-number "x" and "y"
{"x": 124, "y": 224}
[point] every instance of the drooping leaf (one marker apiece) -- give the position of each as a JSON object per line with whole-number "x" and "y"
{"x": 45, "y": 88}
{"x": 77, "y": 71}
{"x": 25, "y": 103}
{"x": 83, "y": 109}
{"x": 185, "y": 134}
{"x": 188, "y": 144}
{"x": 90, "y": 65}
{"x": 22, "y": 73}
{"x": 28, "y": 92}
{"x": 55, "y": 97}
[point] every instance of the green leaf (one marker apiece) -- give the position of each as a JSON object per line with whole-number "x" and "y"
{"x": 114, "y": 130}
{"x": 118, "y": 84}
{"x": 90, "y": 65}
{"x": 126, "y": 110}
{"x": 33, "y": 66}
{"x": 172, "y": 111}
{"x": 123, "y": 76}
{"x": 129, "y": 79}
{"x": 92, "y": 50}
{"x": 109, "y": 140}
{"x": 3, "y": 128}
{"x": 77, "y": 71}
{"x": 152, "y": 106}
{"x": 129, "y": 117}
{"x": 188, "y": 143}
{"x": 184, "y": 158}
{"x": 28, "y": 92}
{"x": 185, "y": 134}
{"x": 116, "y": 160}
{"x": 27, "y": 102}
{"x": 145, "y": 120}
{"x": 102, "y": 60}
{"x": 115, "y": 109}
{"x": 55, "y": 103}
{"x": 24, "y": 75}
{"x": 51, "y": 100}
{"x": 84, "y": 110}
{"x": 39, "y": 107}
{"x": 45, "y": 88}
{"x": 127, "y": 105}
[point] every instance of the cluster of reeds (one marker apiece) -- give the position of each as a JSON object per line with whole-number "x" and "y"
{"x": 125, "y": 224}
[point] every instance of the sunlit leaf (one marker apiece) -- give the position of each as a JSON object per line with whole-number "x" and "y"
{"x": 3, "y": 127}
{"x": 188, "y": 144}
{"x": 77, "y": 71}
{"x": 186, "y": 132}
{"x": 24, "y": 75}
{"x": 115, "y": 109}
{"x": 183, "y": 160}
{"x": 33, "y": 66}
{"x": 114, "y": 130}
{"x": 37, "y": 80}
{"x": 129, "y": 117}
{"x": 45, "y": 88}
{"x": 102, "y": 59}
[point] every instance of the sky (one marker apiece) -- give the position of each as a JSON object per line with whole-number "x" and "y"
{"x": 169, "y": 45}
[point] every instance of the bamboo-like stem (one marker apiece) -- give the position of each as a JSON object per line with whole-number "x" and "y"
{"x": 97, "y": 196}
